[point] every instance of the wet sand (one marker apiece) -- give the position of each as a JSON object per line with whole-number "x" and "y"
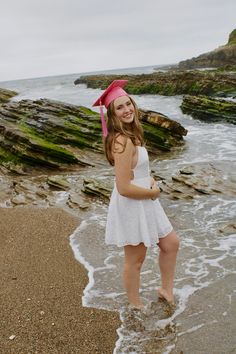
{"x": 208, "y": 324}
{"x": 42, "y": 285}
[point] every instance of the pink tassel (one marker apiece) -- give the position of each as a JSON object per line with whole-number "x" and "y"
{"x": 104, "y": 127}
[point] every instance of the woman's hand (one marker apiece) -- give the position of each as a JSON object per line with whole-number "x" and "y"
{"x": 152, "y": 181}
{"x": 155, "y": 188}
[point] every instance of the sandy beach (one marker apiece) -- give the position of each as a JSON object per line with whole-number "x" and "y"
{"x": 42, "y": 285}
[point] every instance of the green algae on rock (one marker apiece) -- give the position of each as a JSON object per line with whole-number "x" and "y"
{"x": 52, "y": 134}
{"x": 97, "y": 187}
{"x": 160, "y": 132}
{"x": 38, "y": 132}
{"x": 58, "y": 182}
{"x": 174, "y": 82}
{"x": 6, "y": 95}
{"x": 209, "y": 109}
{"x": 178, "y": 80}
{"x": 232, "y": 38}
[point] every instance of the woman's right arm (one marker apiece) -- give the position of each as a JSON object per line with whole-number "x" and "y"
{"x": 123, "y": 167}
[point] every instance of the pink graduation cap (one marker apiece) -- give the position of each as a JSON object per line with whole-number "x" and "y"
{"x": 114, "y": 90}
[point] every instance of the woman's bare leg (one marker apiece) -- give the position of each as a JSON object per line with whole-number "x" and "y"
{"x": 169, "y": 246}
{"x": 134, "y": 258}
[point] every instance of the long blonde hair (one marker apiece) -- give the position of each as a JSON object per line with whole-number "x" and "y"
{"x": 116, "y": 127}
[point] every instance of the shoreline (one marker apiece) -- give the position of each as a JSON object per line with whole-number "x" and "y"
{"x": 42, "y": 288}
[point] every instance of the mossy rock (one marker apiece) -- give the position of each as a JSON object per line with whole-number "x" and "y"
{"x": 209, "y": 109}
{"x": 6, "y": 95}
{"x": 232, "y": 38}
{"x": 47, "y": 132}
{"x": 174, "y": 82}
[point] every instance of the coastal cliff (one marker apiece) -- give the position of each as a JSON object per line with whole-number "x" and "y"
{"x": 223, "y": 56}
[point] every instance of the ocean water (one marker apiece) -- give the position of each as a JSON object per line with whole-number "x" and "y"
{"x": 206, "y": 256}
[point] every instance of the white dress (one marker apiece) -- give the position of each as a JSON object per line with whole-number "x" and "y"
{"x": 131, "y": 221}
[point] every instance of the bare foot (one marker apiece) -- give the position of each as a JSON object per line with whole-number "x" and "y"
{"x": 163, "y": 294}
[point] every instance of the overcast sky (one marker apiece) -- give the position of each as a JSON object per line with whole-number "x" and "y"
{"x": 53, "y": 37}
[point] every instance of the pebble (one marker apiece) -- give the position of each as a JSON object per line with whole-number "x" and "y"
{"x": 19, "y": 199}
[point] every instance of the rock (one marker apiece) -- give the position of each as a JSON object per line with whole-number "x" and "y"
{"x": 201, "y": 179}
{"x": 160, "y": 120}
{"x": 97, "y": 187}
{"x": 228, "y": 229}
{"x": 6, "y": 95}
{"x": 59, "y": 182}
{"x": 187, "y": 170}
{"x": 222, "y": 56}
{"x": 195, "y": 182}
{"x": 14, "y": 168}
{"x": 172, "y": 82}
{"x": 76, "y": 200}
{"x": 6, "y": 189}
{"x": 37, "y": 132}
{"x": 52, "y": 134}
{"x": 19, "y": 200}
{"x": 232, "y": 38}
{"x": 161, "y": 132}
{"x": 30, "y": 197}
{"x": 77, "y": 191}
{"x": 209, "y": 109}
{"x": 42, "y": 193}
{"x": 13, "y": 336}
{"x": 25, "y": 186}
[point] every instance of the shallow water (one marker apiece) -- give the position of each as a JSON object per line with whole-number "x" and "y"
{"x": 207, "y": 256}
{"x": 204, "y": 258}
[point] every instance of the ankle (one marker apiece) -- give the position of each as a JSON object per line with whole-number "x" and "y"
{"x": 135, "y": 302}
{"x": 166, "y": 293}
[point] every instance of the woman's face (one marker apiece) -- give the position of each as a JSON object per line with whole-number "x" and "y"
{"x": 124, "y": 109}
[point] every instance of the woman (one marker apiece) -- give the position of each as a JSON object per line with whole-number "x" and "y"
{"x": 136, "y": 219}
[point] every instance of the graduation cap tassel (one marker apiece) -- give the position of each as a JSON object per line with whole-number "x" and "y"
{"x": 104, "y": 127}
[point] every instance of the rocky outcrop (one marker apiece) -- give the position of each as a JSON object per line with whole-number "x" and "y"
{"x": 177, "y": 81}
{"x": 158, "y": 119}
{"x": 214, "y": 83}
{"x": 41, "y": 132}
{"x": 97, "y": 187}
{"x": 78, "y": 190}
{"x": 53, "y": 134}
{"x": 169, "y": 132}
{"x": 6, "y": 95}
{"x": 192, "y": 180}
{"x": 220, "y": 57}
{"x": 232, "y": 38}
{"x": 198, "y": 180}
{"x": 209, "y": 109}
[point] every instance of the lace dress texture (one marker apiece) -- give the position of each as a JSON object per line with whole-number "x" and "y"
{"x": 131, "y": 221}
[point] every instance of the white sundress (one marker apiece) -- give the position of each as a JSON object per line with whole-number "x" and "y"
{"x": 131, "y": 221}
